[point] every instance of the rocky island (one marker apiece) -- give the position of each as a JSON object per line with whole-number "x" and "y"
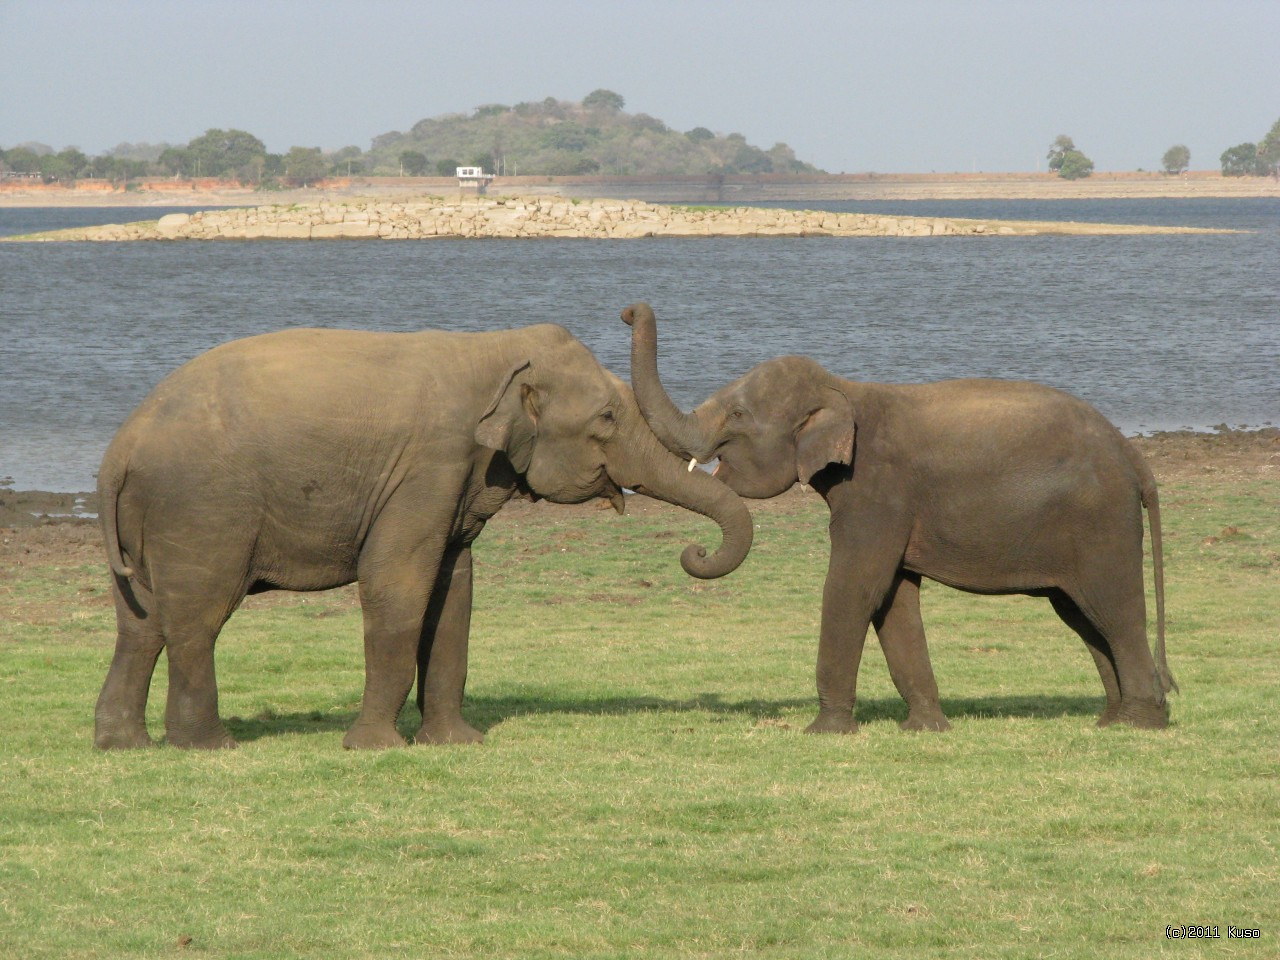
{"x": 551, "y": 216}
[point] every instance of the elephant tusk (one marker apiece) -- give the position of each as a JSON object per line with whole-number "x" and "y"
{"x": 805, "y": 487}
{"x": 693, "y": 462}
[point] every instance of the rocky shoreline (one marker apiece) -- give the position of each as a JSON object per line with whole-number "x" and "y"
{"x": 551, "y": 216}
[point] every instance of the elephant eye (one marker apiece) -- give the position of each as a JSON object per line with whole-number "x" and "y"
{"x": 606, "y": 425}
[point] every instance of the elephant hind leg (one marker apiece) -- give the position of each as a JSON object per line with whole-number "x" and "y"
{"x": 1097, "y": 645}
{"x": 1111, "y": 620}
{"x": 120, "y": 715}
{"x": 191, "y": 713}
{"x": 901, "y": 631}
{"x": 194, "y": 601}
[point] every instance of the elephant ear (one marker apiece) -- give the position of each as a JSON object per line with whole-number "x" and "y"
{"x": 510, "y": 422}
{"x": 826, "y": 436}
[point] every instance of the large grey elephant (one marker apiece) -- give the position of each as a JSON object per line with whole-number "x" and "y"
{"x": 990, "y": 486}
{"x": 309, "y": 459}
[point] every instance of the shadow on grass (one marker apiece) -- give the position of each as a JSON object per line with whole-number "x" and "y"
{"x": 487, "y": 712}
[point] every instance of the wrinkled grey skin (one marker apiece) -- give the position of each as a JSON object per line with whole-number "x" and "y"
{"x": 990, "y": 486}
{"x": 308, "y": 459}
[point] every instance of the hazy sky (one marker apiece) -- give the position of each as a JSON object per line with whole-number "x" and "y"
{"x": 889, "y": 85}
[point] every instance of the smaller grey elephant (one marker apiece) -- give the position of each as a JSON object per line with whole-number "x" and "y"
{"x": 309, "y": 459}
{"x": 989, "y": 486}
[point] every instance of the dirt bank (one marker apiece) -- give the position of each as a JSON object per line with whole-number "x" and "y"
{"x": 38, "y": 528}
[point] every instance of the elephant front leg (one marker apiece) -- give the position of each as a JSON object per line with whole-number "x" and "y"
{"x": 848, "y": 600}
{"x": 442, "y": 655}
{"x": 394, "y": 596}
{"x": 901, "y": 631}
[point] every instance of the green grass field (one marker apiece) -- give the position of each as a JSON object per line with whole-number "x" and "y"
{"x": 645, "y": 790}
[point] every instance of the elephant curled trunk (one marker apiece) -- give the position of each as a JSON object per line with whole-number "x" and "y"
{"x": 643, "y": 464}
{"x": 680, "y": 432}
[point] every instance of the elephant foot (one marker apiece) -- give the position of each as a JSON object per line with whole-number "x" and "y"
{"x": 122, "y": 736}
{"x": 833, "y": 723}
{"x": 372, "y": 736}
{"x": 456, "y": 730}
{"x": 1110, "y": 714}
{"x": 933, "y": 720}
{"x": 1144, "y": 716}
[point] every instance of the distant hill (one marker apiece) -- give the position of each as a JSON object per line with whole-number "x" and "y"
{"x": 559, "y": 138}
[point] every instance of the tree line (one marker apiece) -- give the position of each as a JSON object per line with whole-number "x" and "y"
{"x": 549, "y": 137}
{"x": 1260, "y": 159}
{"x": 226, "y": 154}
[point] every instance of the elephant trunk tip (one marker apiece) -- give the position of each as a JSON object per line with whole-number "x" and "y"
{"x": 697, "y": 564}
{"x": 638, "y": 311}
{"x": 693, "y": 559}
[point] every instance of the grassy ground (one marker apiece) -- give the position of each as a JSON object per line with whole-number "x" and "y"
{"x": 644, "y": 790}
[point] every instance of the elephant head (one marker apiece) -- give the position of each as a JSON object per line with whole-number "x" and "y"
{"x": 575, "y": 432}
{"x": 785, "y": 421}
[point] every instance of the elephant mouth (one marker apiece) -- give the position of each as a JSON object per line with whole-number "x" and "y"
{"x": 613, "y": 493}
{"x": 607, "y": 489}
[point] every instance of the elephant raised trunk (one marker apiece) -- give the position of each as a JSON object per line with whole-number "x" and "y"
{"x": 680, "y": 432}
{"x": 643, "y": 465}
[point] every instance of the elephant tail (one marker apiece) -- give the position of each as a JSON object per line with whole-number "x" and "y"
{"x": 1151, "y": 500}
{"x": 110, "y": 480}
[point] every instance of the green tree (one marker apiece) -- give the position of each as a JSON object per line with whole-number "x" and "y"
{"x": 567, "y": 136}
{"x": 642, "y": 121}
{"x": 749, "y": 159}
{"x": 1075, "y": 166}
{"x": 1176, "y": 159}
{"x": 305, "y": 165}
{"x": 447, "y": 167}
{"x": 414, "y": 163}
{"x": 1240, "y": 160}
{"x": 1058, "y": 151}
{"x": 346, "y": 161}
{"x": 783, "y": 159}
{"x": 177, "y": 161}
{"x": 1069, "y": 162}
{"x": 66, "y": 165}
{"x": 700, "y": 135}
{"x": 75, "y": 160}
{"x": 605, "y": 100}
{"x": 114, "y": 166}
{"x": 23, "y": 160}
{"x": 227, "y": 153}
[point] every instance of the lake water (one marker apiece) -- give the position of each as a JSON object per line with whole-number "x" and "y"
{"x": 1159, "y": 332}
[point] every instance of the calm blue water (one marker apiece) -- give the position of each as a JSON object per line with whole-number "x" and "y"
{"x": 1158, "y": 332}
